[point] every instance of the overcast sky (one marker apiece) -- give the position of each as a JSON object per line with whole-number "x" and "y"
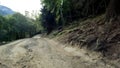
{"x": 22, "y": 5}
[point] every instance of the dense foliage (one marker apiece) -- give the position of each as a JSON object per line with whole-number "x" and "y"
{"x": 65, "y": 12}
{"x": 17, "y": 26}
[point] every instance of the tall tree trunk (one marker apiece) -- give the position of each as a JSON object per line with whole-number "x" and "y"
{"x": 112, "y": 15}
{"x": 113, "y": 10}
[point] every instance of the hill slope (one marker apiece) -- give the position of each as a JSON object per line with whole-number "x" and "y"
{"x": 94, "y": 34}
{"x": 5, "y": 10}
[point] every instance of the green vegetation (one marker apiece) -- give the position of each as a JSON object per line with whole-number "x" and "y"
{"x": 17, "y": 26}
{"x": 57, "y": 14}
{"x": 63, "y": 12}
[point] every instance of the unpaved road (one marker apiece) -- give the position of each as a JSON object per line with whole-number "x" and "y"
{"x": 40, "y": 52}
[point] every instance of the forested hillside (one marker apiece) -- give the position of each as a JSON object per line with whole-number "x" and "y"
{"x": 93, "y": 24}
{"x": 17, "y": 26}
{"x": 65, "y": 12}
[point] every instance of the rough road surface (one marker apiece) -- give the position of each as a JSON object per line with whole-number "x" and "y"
{"x": 40, "y": 52}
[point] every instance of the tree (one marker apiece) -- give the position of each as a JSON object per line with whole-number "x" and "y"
{"x": 113, "y": 10}
{"x": 16, "y": 26}
{"x": 48, "y": 20}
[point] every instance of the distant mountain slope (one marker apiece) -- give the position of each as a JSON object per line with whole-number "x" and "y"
{"x": 5, "y": 10}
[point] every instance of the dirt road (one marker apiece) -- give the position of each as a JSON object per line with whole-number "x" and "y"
{"x": 40, "y": 52}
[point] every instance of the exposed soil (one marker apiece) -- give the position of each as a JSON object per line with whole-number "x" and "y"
{"x": 96, "y": 35}
{"x": 40, "y": 52}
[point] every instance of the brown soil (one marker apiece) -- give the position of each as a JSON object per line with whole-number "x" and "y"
{"x": 96, "y": 35}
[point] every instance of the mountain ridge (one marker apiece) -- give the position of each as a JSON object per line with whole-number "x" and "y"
{"x": 5, "y": 10}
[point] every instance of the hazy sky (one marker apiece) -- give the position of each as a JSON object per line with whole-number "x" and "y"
{"x": 22, "y": 5}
